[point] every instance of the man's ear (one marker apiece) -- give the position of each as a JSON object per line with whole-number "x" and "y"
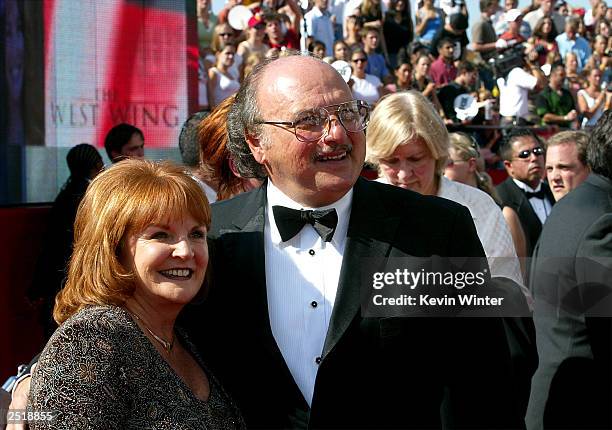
{"x": 508, "y": 166}
{"x": 232, "y": 166}
{"x": 255, "y": 146}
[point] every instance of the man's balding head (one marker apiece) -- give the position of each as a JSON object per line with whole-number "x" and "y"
{"x": 283, "y": 92}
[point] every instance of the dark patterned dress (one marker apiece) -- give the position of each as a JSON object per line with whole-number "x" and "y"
{"x": 99, "y": 371}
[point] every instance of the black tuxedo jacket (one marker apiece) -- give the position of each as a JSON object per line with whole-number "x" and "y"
{"x": 375, "y": 372}
{"x": 511, "y": 195}
{"x": 571, "y": 271}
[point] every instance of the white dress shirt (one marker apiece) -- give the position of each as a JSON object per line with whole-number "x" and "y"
{"x": 301, "y": 282}
{"x": 541, "y": 207}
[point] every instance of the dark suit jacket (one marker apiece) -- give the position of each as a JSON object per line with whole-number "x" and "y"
{"x": 571, "y": 387}
{"x": 52, "y": 265}
{"x": 511, "y": 195}
{"x": 375, "y": 372}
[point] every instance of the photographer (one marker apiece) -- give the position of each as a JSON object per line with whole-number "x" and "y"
{"x": 516, "y": 82}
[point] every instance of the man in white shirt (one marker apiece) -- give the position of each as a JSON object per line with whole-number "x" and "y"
{"x": 524, "y": 190}
{"x": 514, "y": 89}
{"x": 318, "y": 26}
{"x": 282, "y": 326}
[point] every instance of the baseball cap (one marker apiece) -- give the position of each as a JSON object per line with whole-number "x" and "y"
{"x": 512, "y": 15}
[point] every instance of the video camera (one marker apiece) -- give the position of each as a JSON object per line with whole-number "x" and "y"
{"x": 507, "y": 60}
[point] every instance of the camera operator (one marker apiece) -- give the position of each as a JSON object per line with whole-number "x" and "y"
{"x": 514, "y": 87}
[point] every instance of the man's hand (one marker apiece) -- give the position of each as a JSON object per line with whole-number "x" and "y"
{"x": 533, "y": 56}
{"x": 501, "y": 44}
{"x": 571, "y": 115}
{"x": 20, "y": 401}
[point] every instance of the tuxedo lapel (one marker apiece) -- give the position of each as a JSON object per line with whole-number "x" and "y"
{"x": 369, "y": 237}
{"x": 245, "y": 244}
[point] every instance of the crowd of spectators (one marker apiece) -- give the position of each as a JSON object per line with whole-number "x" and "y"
{"x": 546, "y": 65}
{"x": 554, "y": 77}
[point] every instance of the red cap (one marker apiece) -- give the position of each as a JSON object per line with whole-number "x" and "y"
{"x": 256, "y": 19}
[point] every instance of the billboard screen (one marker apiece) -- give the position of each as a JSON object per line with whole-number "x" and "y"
{"x": 117, "y": 61}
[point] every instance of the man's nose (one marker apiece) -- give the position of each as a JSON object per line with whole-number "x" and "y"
{"x": 335, "y": 130}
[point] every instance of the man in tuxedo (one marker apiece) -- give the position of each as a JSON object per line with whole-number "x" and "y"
{"x": 525, "y": 191}
{"x": 571, "y": 281}
{"x": 282, "y": 326}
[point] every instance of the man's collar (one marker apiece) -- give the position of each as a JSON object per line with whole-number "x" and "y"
{"x": 275, "y": 197}
{"x": 523, "y": 186}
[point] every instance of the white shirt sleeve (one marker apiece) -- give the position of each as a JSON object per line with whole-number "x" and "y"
{"x": 522, "y": 79}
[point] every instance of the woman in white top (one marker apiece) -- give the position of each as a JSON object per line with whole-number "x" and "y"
{"x": 365, "y": 87}
{"x": 591, "y": 100}
{"x": 223, "y": 35}
{"x": 221, "y": 82}
{"x": 408, "y": 141}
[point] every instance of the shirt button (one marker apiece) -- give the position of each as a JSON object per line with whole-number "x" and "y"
{"x": 311, "y": 252}
{"x": 318, "y": 360}
{"x": 314, "y": 304}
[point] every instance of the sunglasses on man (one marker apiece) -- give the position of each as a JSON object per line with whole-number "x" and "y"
{"x": 525, "y": 153}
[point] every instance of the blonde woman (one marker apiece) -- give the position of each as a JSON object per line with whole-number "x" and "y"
{"x": 408, "y": 141}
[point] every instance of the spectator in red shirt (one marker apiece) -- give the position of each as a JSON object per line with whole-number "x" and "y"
{"x": 514, "y": 18}
{"x": 276, "y": 38}
{"x": 443, "y": 69}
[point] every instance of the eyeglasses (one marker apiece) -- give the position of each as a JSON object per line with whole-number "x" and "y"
{"x": 225, "y": 34}
{"x": 359, "y": 60}
{"x": 525, "y": 153}
{"x": 313, "y": 124}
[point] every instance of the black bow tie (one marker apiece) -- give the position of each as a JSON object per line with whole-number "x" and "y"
{"x": 538, "y": 194}
{"x": 291, "y": 221}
